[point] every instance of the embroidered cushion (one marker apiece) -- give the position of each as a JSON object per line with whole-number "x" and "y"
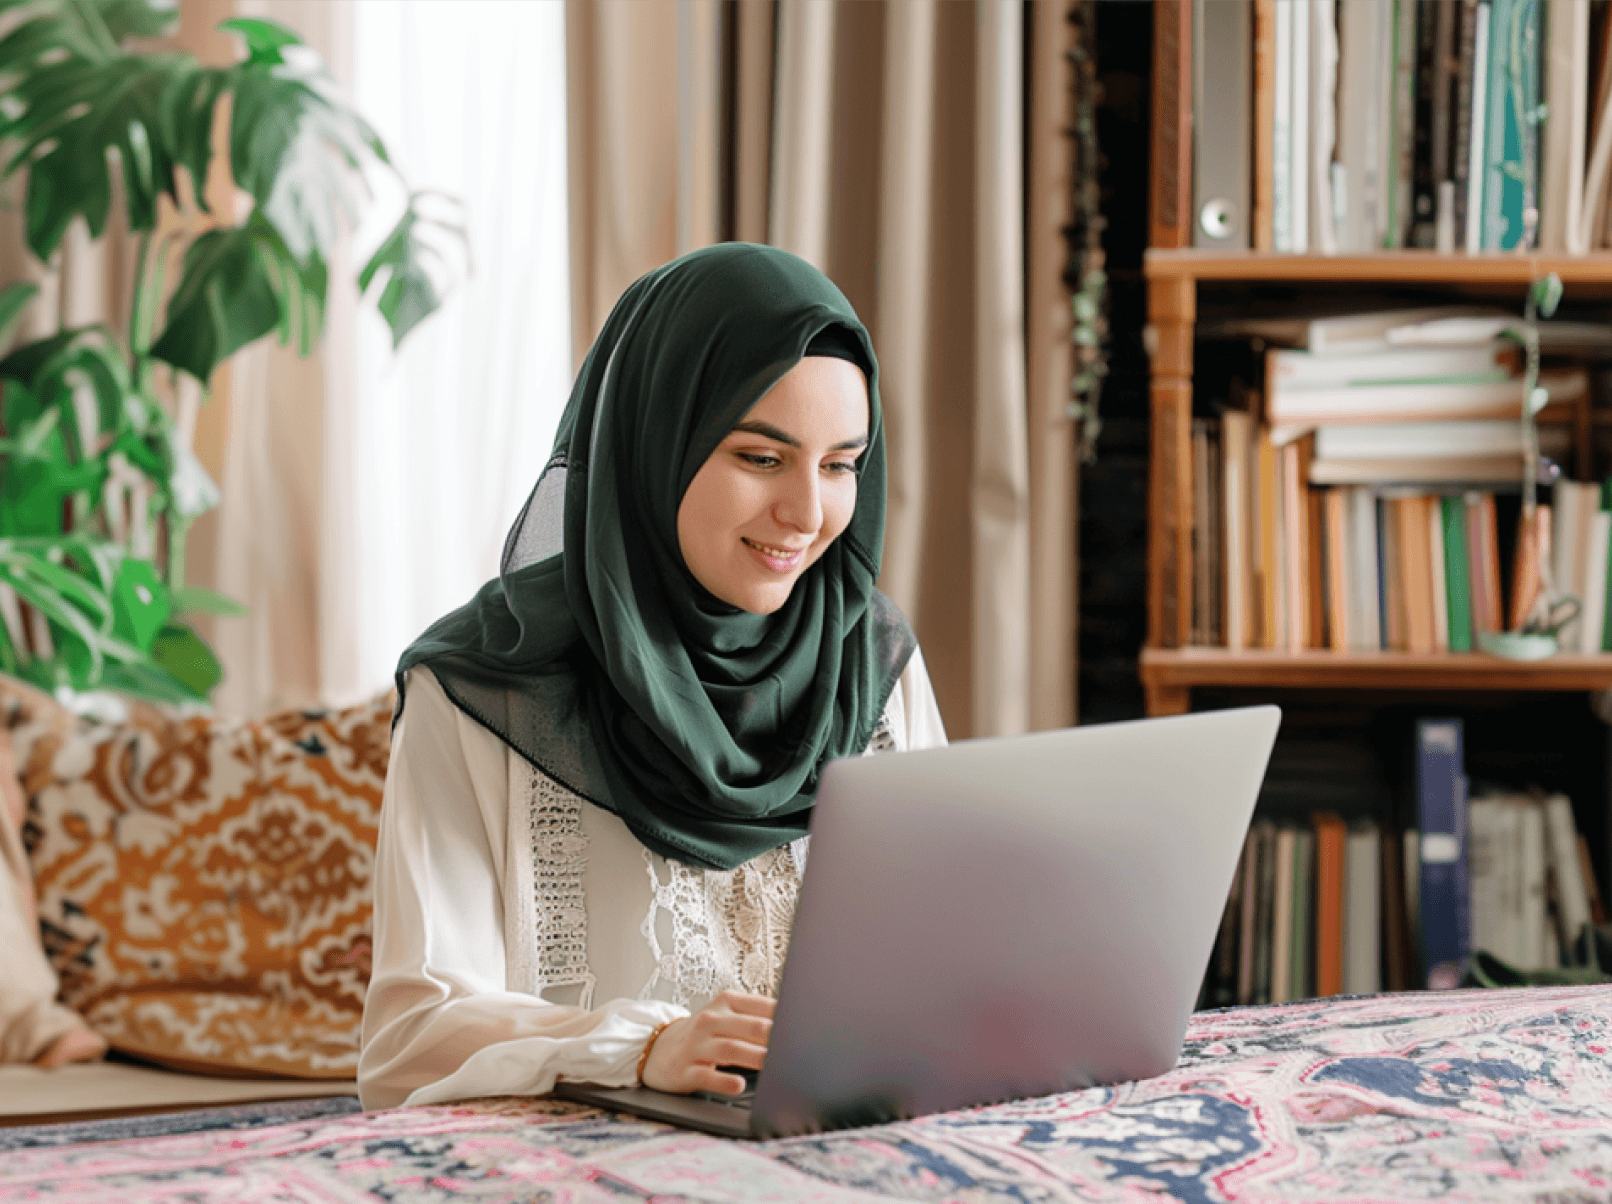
{"x": 203, "y": 885}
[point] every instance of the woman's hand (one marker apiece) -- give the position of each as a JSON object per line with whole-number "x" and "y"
{"x": 731, "y": 1030}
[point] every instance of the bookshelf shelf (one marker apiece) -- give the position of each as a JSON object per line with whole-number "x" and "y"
{"x": 1386, "y": 267}
{"x": 1170, "y": 674}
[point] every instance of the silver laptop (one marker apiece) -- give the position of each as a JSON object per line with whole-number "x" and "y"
{"x": 996, "y": 919}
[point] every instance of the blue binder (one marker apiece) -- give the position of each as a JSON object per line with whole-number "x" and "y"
{"x": 1441, "y": 793}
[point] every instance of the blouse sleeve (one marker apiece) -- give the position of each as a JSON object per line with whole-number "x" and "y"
{"x": 440, "y": 1022}
{"x": 921, "y": 712}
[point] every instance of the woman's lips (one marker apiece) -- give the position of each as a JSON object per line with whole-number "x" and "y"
{"x": 777, "y": 559}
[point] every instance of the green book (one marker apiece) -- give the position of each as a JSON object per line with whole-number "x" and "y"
{"x": 1457, "y": 573}
{"x": 1302, "y": 948}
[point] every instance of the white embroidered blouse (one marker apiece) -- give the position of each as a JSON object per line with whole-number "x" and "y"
{"x": 523, "y": 935}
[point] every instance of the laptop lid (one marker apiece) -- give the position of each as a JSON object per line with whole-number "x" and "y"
{"x": 1007, "y": 917}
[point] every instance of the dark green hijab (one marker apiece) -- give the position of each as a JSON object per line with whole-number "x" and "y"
{"x": 597, "y": 656}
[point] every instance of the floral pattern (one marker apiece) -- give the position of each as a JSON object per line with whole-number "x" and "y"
{"x": 1458, "y": 1096}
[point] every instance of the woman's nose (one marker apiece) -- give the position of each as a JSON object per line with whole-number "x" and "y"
{"x": 801, "y": 503}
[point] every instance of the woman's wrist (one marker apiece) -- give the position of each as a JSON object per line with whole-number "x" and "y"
{"x": 643, "y": 1058}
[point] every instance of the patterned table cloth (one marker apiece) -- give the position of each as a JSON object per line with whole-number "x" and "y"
{"x": 1469, "y": 1095}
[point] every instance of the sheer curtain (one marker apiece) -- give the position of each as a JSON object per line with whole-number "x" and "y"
{"x": 446, "y": 435}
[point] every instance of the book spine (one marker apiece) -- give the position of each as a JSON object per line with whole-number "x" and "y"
{"x": 1363, "y": 901}
{"x": 1301, "y": 978}
{"x": 1339, "y": 629}
{"x": 1330, "y": 850}
{"x": 1460, "y": 132}
{"x": 1458, "y": 580}
{"x": 1403, "y": 116}
{"x": 1282, "y": 137}
{"x": 1172, "y": 124}
{"x": 1299, "y": 126}
{"x": 1264, "y": 124}
{"x": 1441, "y": 792}
{"x": 1477, "y": 139}
{"x": 1496, "y": 107}
{"x": 1424, "y": 132}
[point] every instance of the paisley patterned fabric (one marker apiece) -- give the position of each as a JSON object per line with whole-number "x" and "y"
{"x": 203, "y": 885}
{"x": 1460, "y": 1096}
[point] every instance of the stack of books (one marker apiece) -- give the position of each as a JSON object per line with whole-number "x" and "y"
{"x": 1354, "y": 125}
{"x": 1353, "y": 505}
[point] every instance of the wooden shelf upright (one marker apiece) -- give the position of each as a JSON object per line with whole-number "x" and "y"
{"x": 1170, "y": 667}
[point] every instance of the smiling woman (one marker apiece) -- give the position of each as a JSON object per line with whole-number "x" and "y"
{"x": 780, "y": 488}
{"x": 685, "y": 629}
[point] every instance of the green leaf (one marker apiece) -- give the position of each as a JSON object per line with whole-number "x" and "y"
{"x": 235, "y": 287}
{"x": 140, "y": 602}
{"x": 264, "y": 39}
{"x": 137, "y": 18}
{"x": 421, "y": 257}
{"x": 73, "y": 118}
{"x": 183, "y": 654}
{"x": 297, "y": 146}
{"x": 195, "y": 600}
{"x": 144, "y": 679}
{"x": 14, "y": 299}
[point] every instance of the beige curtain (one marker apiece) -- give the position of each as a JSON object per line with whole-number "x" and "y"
{"x": 884, "y": 143}
{"x": 274, "y": 542}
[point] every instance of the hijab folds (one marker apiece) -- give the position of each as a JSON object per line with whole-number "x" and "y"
{"x": 597, "y": 656}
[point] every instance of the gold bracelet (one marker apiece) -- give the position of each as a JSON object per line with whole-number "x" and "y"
{"x": 650, "y": 1044}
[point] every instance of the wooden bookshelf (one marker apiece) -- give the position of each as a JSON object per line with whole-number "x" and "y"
{"x": 1170, "y": 667}
{"x": 1588, "y": 272}
{"x": 1169, "y": 674}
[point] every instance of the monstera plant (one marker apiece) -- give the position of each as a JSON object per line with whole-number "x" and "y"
{"x": 97, "y": 487}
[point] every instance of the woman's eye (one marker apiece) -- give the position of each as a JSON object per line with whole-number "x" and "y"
{"x": 844, "y": 468}
{"x": 759, "y": 461}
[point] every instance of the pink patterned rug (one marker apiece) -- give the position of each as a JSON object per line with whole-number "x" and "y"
{"x": 1469, "y": 1095}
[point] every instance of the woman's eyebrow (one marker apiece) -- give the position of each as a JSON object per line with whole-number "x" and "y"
{"x": 768, "y": 431}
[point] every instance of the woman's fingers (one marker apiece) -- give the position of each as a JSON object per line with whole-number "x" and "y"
{"x": 745, "y": 1005}
{"x": 719, "y": 1082}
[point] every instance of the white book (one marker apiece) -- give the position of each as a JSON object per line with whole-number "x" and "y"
{"x": 1304, "y": 369}
{"x": 1365, "y": 615}
{"x": 1508, "y": 942}
{"x": 1573, "y": 511}
{"x": 1566, "y": 338}
{"x": 1388, "y": 440}
{"x": 1282, "y": 129}
{"x": 1572, "y": 900}
{"x": 1418, "y": 402}
{"x": 1362, "y": 911}
{"x": 1388, "y": 142}
{"x": 1477, "y": 143}
{"x": 1299, "y": 156}
{"x": 1358, "y": 124}
{"x": 1538, "y": 952}
{"x": 1561, "y": 193}
{"x": 1594, "y": 623}
{"x": 1483, "y": 872}
{"x": 1323, "y": 134}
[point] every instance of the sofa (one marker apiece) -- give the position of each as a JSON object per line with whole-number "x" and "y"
{"x": 184, "y": 905}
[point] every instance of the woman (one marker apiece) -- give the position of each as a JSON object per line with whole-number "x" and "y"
{"x": 595, "y": 814}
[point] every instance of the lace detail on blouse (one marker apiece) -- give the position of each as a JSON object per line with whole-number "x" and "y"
{"x": 560, "y": 857}
{"x": 730, "y": 929}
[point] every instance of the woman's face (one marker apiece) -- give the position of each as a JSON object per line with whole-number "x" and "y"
{"x": 779, "y": 488}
